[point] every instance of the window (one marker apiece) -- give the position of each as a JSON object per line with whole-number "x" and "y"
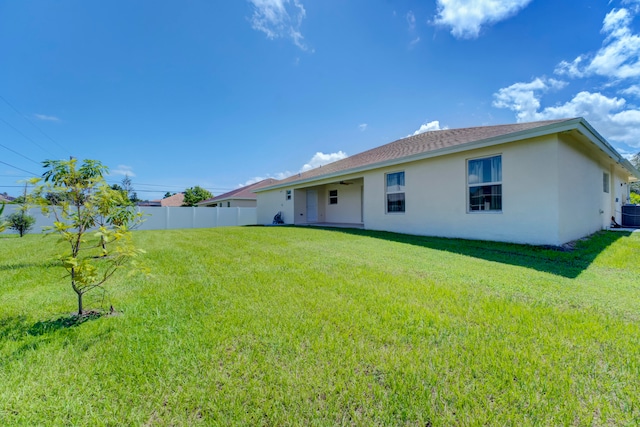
{"x": 484, "y": 180}
{"x": 605, "y": 182}
{"x": 333, "y": 197}
{"x": 288, "y": 194}
{"x": 395, "y": 192}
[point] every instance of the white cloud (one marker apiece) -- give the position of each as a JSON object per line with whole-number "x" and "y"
{"x": 607, "y": 114}
{"x": 46, "y": 118}
{"x": 617, "y": 60}
{"x": 363, "y": 127}
{"x": 428, "y": 127}
{"x": 411, "y": 20}
{"x": 466, "y": 17}
{"x": 318, "y": 159}
{"x": 122, "y": 170}
{"x": 524, "y": 98}
{"x": 279, "y": 175}
{"x": 279, "y": 19}
{"x": 633, "y": 90}
{"x": 619, "y": 56}
{"x": 414, "y": 42}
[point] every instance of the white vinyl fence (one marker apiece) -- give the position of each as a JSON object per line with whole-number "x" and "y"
{"x": 166, "y": 218}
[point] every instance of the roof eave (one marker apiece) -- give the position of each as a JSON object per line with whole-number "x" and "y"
{"x": 566, "y": 125}
{"x": 599, "y": 141}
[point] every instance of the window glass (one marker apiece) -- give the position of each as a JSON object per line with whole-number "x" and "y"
{"x": 485, "y": 170}
{"x": 395, "y": 181}
{"x": 484, "y": 180}
{"x": 605, "y": 182}
{"x": 395, "y": 192}
{"x": 395, "y": 202}
{"x": 333, "y": 197}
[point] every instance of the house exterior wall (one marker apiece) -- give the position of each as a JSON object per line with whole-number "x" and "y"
{"x": 299, "y": 207}
{"x": 436, "y": 196}
{"x": 240, "y": 203}
{"x": 619, "y": 193}
{"x": 272, "y": 202}
{"x": 349, "y": 207}
{"x": 585, "y": 207}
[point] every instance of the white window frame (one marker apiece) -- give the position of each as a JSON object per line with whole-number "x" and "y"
{"x": 483, "y": 207}
{"x": 333, "y": 199}
{"x": 397, "y": 189}
{"x": 606, "y": 182}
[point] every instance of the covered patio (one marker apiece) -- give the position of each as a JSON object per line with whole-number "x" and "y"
{"x": 335, "y": 204}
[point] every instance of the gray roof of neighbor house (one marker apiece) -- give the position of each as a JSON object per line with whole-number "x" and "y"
{"x": 4, "y": 197}
{"x": 242, "y": 193}
{"x": 440, "y": 142}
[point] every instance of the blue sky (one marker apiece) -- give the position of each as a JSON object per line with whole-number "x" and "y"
{"x": 223, "y": 93}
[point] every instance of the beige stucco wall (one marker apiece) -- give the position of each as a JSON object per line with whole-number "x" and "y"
{"x": 299, "y": 207}
{"x": 272, "y": 202}
{"x": 349, "y": 207}
{"x": 585, "y": 207}
{"x": 237, "y": 203}
{"x": 436, "y": 197}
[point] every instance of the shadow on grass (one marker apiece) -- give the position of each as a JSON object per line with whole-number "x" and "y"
{"x": 22, "y": 337}
{"x": 568, "y": 261}
{"x": 43, "y": 264}
{"x": 44, "y": 327}
{"x": 16, "y": 327}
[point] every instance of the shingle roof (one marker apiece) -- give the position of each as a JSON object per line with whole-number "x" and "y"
{"x": 175, "y": 200}
{"x": 246, "y": 192}
{"x": 6, "y": 198}
{"x": 416, "y": 145}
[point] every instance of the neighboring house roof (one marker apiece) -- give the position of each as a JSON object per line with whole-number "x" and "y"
{"x": 175, "y": 200}
{"x": 149, "y": 203}
{"x": 242, "y": 193}
{"x": 4, "y": 197}
{"x": 441, "y": 142}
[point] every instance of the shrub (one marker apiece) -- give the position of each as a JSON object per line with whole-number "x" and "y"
{"x": 21, "y": 221}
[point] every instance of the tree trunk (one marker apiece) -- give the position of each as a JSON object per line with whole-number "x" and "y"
{"x": 79, "y": 304}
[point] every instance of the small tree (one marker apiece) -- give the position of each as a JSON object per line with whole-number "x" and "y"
{"x": 127, "y": 186}
{"x": 168, "y": 194}
{"x": 21, "y": 221}
{"x": 91, "y": 218}
{"x": 194, "y": 195}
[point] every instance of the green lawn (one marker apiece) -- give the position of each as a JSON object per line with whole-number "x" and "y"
{"x": 294, "y": 326}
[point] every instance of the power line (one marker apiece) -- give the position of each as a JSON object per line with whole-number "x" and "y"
{"x": 33, "y": 124}
{"x": 30, "y": 139}
{"x": 21, "y": 155}
{"x": 169, "y": 186}
{"x": 15, "y": 167}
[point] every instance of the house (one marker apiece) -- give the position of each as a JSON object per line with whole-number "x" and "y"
{"x": 5, "y": 198}
{"x": 243, "y": 197}
{"x": 171, "y": 201}
{"x": 542, "y": 183}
